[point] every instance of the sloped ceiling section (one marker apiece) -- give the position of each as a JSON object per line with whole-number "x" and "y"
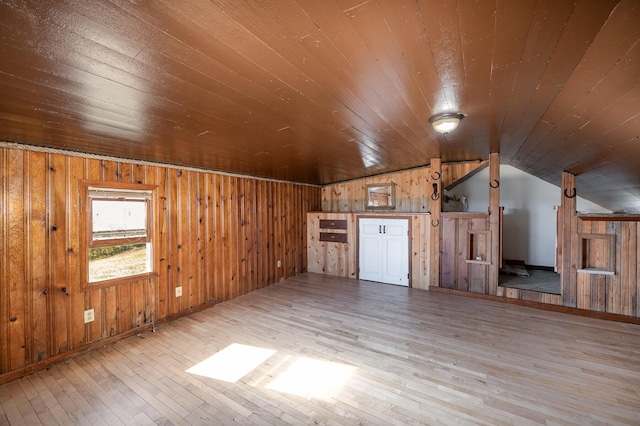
{"x": 319, "y": 91}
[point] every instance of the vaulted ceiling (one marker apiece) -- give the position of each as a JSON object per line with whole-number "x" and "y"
{"x": 318, "y": 91}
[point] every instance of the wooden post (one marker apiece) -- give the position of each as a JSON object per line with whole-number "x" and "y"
{"x": 434, "y": 192}
{"x": 569, "y": 240}
{"x": 494, "y": 223}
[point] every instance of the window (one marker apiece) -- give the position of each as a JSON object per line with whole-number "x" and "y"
{"x": 119, "y": 241}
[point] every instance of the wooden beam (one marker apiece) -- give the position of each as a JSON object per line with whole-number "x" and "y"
{"x": 569, "y": 240}
{"x": 494, "y": 223}
{"x": 435, "y": 207}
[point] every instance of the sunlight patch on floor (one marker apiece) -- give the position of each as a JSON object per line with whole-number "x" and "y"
{"x": 232, "y": 363}
{"x": 311, "y": 378}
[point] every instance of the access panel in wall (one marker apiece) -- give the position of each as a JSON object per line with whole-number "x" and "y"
{"x": 384, "y": 250}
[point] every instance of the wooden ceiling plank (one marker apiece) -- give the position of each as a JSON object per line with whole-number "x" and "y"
{"x": 373, "y": 85}
{"x": 444, "y": 39}
{"x": 549, "y": 20}
{"x": 388, "y": 42}
{"x": 513, "y": 21}
{"x": 582, "y": 28}
{"x": 617, "y": 36}
{"x": 313, "y": 69}
{"x": 477, "y": 23}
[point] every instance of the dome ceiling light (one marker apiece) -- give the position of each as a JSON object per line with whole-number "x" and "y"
{"x": 446, "y": 122}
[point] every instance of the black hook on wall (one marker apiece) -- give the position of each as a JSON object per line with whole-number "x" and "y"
{"x": 436, "y": 224}
{"x": 437, "y": 177}
{"x": 570, "y": 196}
{"x": 497, "y": 185}
{"x": 435, "y": 196}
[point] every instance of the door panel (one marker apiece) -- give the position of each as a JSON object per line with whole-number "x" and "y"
{"x": 384, "y": 250}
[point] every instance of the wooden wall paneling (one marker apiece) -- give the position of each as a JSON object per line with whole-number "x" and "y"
{"x": 636, "y": 257}
{"x": 412, "y": 188}
{"x": 295, "y": 223}
{"x": 199, "y": 236}
{"x": 223, "y": 238}
{"x": 569, "y": 241}
{"x": 185, "y": 226}
{"x": 57, "y": 243}
{"x": 419, "y": 245}
{"x": 494, "y": 223}
{"x": 75, "y": 173}
{"x": 435, "y": 206}
{"x": 252, "y": 218}
{"x": 234, "y": 219}
{"x": 218, "y": 221}
{"x": 324, "y": 257}
{"x": 583, "y": 281}
{"x": 123, "y": 308}
{"x": 125, "y": 172}
{"x": 279, "y": 231}
{"x": 218, "y": 228}
{"x": 461, "y": 270}
{"x": 93, "y": 298}
{"x": 261, "y": 214}
{"x": 447, "y": 252}
{"x": 141, "y": 293}
{"x": 229, "y": 213}
{"x": 15, "y": 265}
{"x": 290, "y": 246}
{"x": 315, "y": 256}
{"x": 612, "y": 283}
{"x": 109, "y": 311}
{"x": 243, "y": 236}
{"x": 162, "y": 245}
{"x": 173, "y": 199}
{"x": 140, "y": 173}
{"x": 37, "y": 257}
{"x": 271, "y": 232}
{"x": 628, "y": 244}
{"x": 4, "y": 254}
{"x": 208, "y": 237}
{"x": 109, "y": 171}
{"x": 193, "y": 226}
{"x": 479, "y": 274}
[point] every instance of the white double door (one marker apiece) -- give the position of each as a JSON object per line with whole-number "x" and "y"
{"x": 384, "y": 250}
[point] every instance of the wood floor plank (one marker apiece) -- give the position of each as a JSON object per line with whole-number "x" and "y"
{"x": 412, "y": 357}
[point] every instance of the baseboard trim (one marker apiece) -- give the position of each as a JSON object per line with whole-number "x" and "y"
{"x": 46, "y": 363}
{"x": 539, "y": 305}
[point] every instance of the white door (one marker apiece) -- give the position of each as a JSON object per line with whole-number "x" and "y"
{"x": 384, "y": 250}
{"x": 371, "y": 249}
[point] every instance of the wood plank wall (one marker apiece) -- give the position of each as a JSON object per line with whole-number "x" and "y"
{"x": 459, "y": 270}
{"x": 413, "y": 188}
{"x": 341, "y": 259}
{"x": 618, "y": 293}
{"x": 219, "y": 237}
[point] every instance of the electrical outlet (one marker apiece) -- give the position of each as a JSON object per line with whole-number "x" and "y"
{"x": 89, "y": 316}
{"x": 279, "y": 264}
{"x": 179, "y": 291}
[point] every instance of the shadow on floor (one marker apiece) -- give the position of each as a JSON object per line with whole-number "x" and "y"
{"x": 538, "y": 280}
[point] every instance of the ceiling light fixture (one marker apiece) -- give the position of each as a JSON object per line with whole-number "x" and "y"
{"x": 446, "y": 122}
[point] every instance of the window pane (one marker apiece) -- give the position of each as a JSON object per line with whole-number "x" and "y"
{"x": 118, "y": 261}
{"x": 119, "y": 219}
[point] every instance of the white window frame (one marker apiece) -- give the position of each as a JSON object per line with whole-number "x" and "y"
{"x": 115, "y": 191}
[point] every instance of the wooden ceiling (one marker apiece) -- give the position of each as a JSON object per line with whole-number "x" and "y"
{"x": 325, "y": 91}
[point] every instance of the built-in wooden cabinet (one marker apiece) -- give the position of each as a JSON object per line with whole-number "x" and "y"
{"x": 330, "y": 256}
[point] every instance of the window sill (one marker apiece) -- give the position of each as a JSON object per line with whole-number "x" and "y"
{"x": 595, "y": 271}
{"x": 119, "y": 281}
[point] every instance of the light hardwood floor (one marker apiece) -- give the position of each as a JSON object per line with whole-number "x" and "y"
{"x": 355, "y": 352}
